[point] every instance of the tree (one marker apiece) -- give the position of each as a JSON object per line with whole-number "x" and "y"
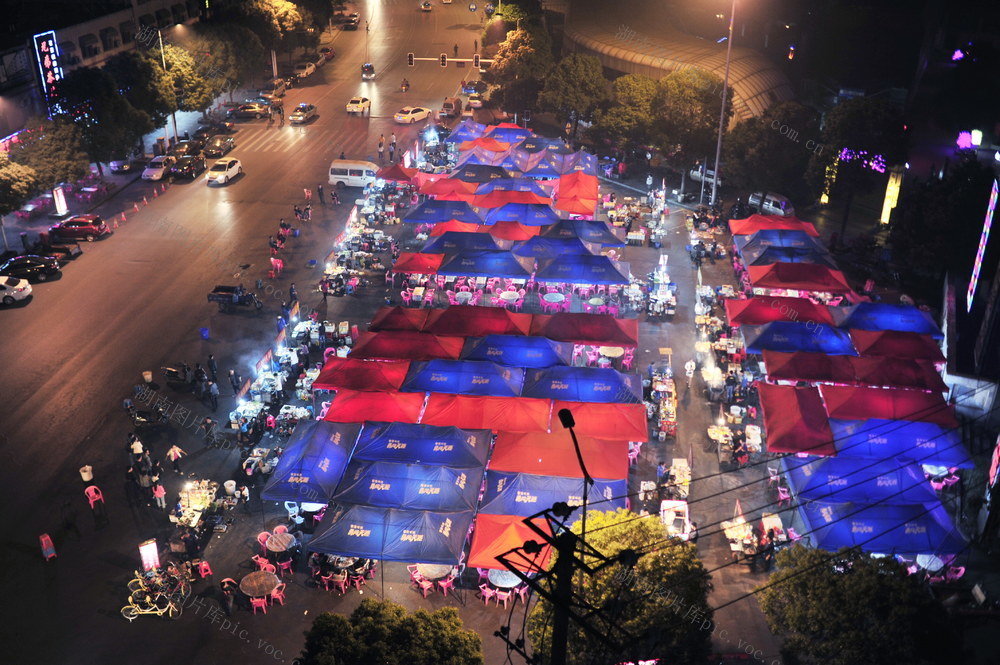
{"x": 231, "y": 55}
{"x": 628, "y": 121}
{"x": 522, "y": 60}
{"x": 654, "y": 601}
{"x": 140, "y": 77}
{"x": 17, "y": 183}
{"x": 380, "y": 631}
{"x": 320, "y": 11}
{"x": 53, "y": 149}
{"x": 194, "y": 91}
{"x": 272, "y": 20}
{"x": 686, "y": 112}
{"x": 574, "y": 88}
{"x": 849, "y": 607}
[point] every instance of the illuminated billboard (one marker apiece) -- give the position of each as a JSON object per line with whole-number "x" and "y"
{"x": 983, "y": 239}
{"x": 49, "y": 64}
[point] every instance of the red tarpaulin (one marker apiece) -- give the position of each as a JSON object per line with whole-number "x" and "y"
{"x": 402, "y": 344}
{"x": 576, "y": 206}
{"x": 396, "y": 173}
{"x": 454, "y": 225}
{"x": 896, "y": 344}
{"x": 794, "y": 420}
{"x": 422, "y": 178}
{"x": 578, "y": 185}
{"x": 416, "y": 263}
{"x": 897, "y": 372}
{"x": 503, "y": 414}
{"x": 448, "y": 186}
{"x": 754, "y": 223}
{"x": 475, "y": 321}
{"x": 486, "y": 143}
{"x": 354, "y": 406}
{"x": 499, "y": 197}
{"x": 802, "y": 366}
{"x": 766, "y": 309}
{"x": 596, "y": 329}
{"x": 553, "y": 454}
{"x": 511, "y": 231}
{"x": 849, "y": 403}
{"x": 367, "y": 375}
{"x": 399, "y": 318}
{"x": 798, "y": 276}
{"x": 616, "y": 422}
{"x": 869, "y": 371}
{"x": 498, "y": 534}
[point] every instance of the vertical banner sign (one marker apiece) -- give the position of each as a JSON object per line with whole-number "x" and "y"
{"x": 149, "y": 554}
{"x": 293, "y": 313}
{"x": 59, "y": 198}
{"x": 244, "y": 389}
{"x": 49, "y": 65}
{"x": 264, "y": 362}
{"x": 280, "y": 339}
{"x": 981, "y": 252}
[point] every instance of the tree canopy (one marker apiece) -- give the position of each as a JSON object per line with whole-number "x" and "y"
{"x": 232, "y": 54}
{"x": 143, "y": 82}
{"x": 194, "y": 91}
{"x": 574, "y": 88}
{"x": 686, "y": 111}
{"x": 17, "y": 183}
{"x": 849, "y": 607}
{"x": 627, "y": 122}
{"x": 380, "y": 631}
{"x": 53, "y": 149}
{"x": 653, "y": 603}
{"x": 521, "y": 62}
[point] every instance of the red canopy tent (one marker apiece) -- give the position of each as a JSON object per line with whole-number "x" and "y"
{"x": 476, "y": 321}
{"x": 578, "y": 185}
{"x": 415, "y": 262}
{"x": 396, "y": 173}
{"x": 454, "y": 225}
{"x": 362, "y": 375}
{"x": 794, "y": 420}
{"x": 896, "y": 344}
{"x": 399, "y": 318}
{"x": 576, "y": 206}
{"x": 897, "y": 372}
{"x": 499, "y": 197}
{"x": 766, "y": 309}
{"x": 802, "y": 366}
{"x": 754, "y": 223}
{"x": 799, "y": 276}
{"x": 422, "y": 178}
{"x": 553, "y": 454}
{"x": 616, "y": 422}
{"x": 498, "y": 534}
{"x": 486, "y": 143}
{"x": 450, "y": 186}
{"x": 403, "y": 344}
{"x": 596, "y": 329}
{"x": 354, "y": 406}
{"x": 503, "y": 414}
{"x": 855, "y": 403}
{"x": 511, "y": 231}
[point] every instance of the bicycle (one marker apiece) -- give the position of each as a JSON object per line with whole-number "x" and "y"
{"x": 150, "y": 605}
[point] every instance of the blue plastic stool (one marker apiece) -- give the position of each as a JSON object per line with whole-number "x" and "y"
{"x": 204, "y": 332}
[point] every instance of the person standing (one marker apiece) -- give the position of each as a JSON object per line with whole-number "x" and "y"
{"x": 200, "y": 379}
{"x": 661, "y": 470}
{"x": 381, "y": 148}
{"x": 135, "y": 447}
{"x": 693, "y": 536}
{"x": 324, "y": 287}
{"x": 308, "y": 193}
{"x": 456, "y": 50}
{"x": 392, "y": 146}
{"x": 236, "y": 381}
{"x": 689, "y": 368}
{"x": 160, "y": 495}
{"x": 213, "y": 395}
{"x": 174, "y": 455}
{"x": 213, "y": 367}
{"x": 243, "y": 496}
{"x": 293, "y": 295}
{"x": 319, "y": 191}
{"x": 475, "y": 45}
{"x": 307, "y": 212}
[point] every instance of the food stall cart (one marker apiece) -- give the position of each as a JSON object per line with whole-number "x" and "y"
{"x": 665, "y": 398}
{"x": 196, "y": 498}
{"x": 680, "y": 474}
{"x": 675, "y": 517}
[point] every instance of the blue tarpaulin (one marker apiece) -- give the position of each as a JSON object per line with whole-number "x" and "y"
{"x": 791, "y": 336}
{"x": 410, "y": 486}
{"x": 886, "y": 316}
{"x": 542, "y": 169}
{"x": 583, "y": 384}
{"x": 433, "y": 211}
{"x": 589, "y": 231}
{"x": 518, "y": 351}
{"x": 312, "y": 463}
{"x": 777, "y": 238}
{"x": 478, "y": 156}
{"x": 508, "y": 133}
{"x": 583, "y": 269}
{"x": 464, "y": 377}
{"x": 512, "y": 185}
{"x": 467, "y": 130}
{"x": 856, "y": 479}
{"x": 550, "y": 248}
{"x": 392, "y": 535}
{"x": 569, "y": 163}
{"x": 765, "y": 256}
{"x": 487, "y": 264}
{"x": 479, "y": 173}
{"x": 539, "y": 145}
{"x": 529, "y": 214}
{"x": 924, "y": 443}
{"x": 423, "y": 444}
{"x": 525, "y": 494}
{"x": 908, "y": 530}
{"x": 451, "y": 242}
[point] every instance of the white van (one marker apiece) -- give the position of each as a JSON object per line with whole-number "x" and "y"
{"x": 350, "y": 173}
{"x": 704, "y": 175}
{"x": 769, "y": 203}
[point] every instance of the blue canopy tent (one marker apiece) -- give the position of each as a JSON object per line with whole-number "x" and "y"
{"x": 434, "y": 211}
{"x": 508, "y": 133}
{"x": 777, "y": 238}
{"x": 451, "y": 242}
{"x": 583, "y": 269}
{"x": 885, "y": 316}
{"x": 529, "y": 214}
{"x": 765, "y": 256}
{"x": 479, "y": 173}
{"x": 541, "y": 170}
{"x": 583, "y": 384}
{"x": 841, "y": 479}
{"x": 908, "y": 529}
{"x": 576, "y": 161}
{"x": 551, "y": 248}
{"x": 423, "y": 444}
{"x": 479, "y": 156}
{"x": 464, "y": 377}
{"x": 312, "y": 463}
{"x": 525, "y": 494}
{"x": 791, "y": 336}
{"x": 539, "y": 145}
{"x": 487, "y": 264}
{"x": 410, "y": 486}
{"x": 924, "y": 443}
{"x": 518, "y": 351}
{"x": 467, "y": 130}
{"x": 589, "y": 231}
{"x": 512, "y": 185}
{"x": 390, "y": 534}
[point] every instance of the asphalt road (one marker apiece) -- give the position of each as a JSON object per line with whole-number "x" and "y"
{"x": 136, "y": 300}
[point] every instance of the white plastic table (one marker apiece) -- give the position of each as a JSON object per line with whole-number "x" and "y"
{"x": 554, "y": 297}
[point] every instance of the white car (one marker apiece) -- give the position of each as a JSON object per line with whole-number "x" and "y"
{"x": 304, "y": 69}
{"x": 13, "y": 289}
{"x": 475, "y": 101}
{"x": 445, "y": 2}
{"x": 426, "y": 7}
{"x": 158, "y": 167}
{"x": 410, "y": 114}
{"x": 359, "y": 105}
{"x": 302, "y": 113}
{"x": 223, "y": 171}
{"x": 674, "y": 515}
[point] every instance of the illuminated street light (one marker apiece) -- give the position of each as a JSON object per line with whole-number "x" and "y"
{"x": 722, "y": 113}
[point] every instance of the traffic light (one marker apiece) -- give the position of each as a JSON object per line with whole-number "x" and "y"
{"x": 475, "y": 61}
{"x": 444, "y": 59}
{"x": 409, "y": 59}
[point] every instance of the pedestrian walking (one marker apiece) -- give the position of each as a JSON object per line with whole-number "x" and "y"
{"x": 308, "y": 193}
{"x": 342, "y": 155}
{"x": 160, "y": 495}
{"x": 229, "y": 588}
{"x": 298, "y": 213}
{"x": 307, "y": 212}
{"x": 293, "y": 294}
{"x": 392, "y": 152}
{"x": 135, "y": 447}
{"x": 174, "y": 455}
{"x": 213, "y": 395}
{"x": 475, "y": 45}
{"x": 335, "y": 198}
{"x": 324, "y": 287}
{"x": 213, "y": 367}
{"x": 689, "y": 368}
{"x": 281, "y": 323}
{"x": 693, "y": 535}
{"x": 381, "y": 148}
{"x": 661, "y": 470}
{"x": 319, "y": 191}
{"x": 243, "y": 496}
{"x": 286, "y": 310}
{"x": 235, "y": 380}
{"x": 456, "y": 50}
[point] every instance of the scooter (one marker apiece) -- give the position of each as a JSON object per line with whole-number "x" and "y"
{"x": 147, "y": 418}
{"x": 176, "y": 374}
{"x": 404, "y": 87}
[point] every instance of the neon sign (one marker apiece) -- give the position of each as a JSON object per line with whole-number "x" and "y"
{"x": 49, "y": 65}
{"x": 981, "y": 252}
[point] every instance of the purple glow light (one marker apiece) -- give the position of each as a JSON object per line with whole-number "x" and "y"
{"x": 957, "y": 55}
{"x": 964, "y": 140}
{"x": 875, "y": 163}
{"x": 981, "y": 252}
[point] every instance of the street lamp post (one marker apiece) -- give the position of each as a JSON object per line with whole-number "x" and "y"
{"x": 173, "y": 114}
{"x": 725, "y": 94}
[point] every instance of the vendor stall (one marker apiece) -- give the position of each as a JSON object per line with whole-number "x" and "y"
{"x": 195, "y": 499}
{"x": 664, "y": 394}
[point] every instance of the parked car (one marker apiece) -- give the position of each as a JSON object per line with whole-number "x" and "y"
{"x": 302, "y": 113}
{"x": 475, "y": 101}
{"x": 327, "y": 53}
{"x": 189, "y": 166}
{"x": 251, "y": 110}
{"x": 87, "y": 227}
{"x": 304, "y": 69}
{"x": 352, "y": 23}
{"x": 184, "y": 148}
{"x": 268, "y": 99}
{"x": 31, "y": 267}
{"x": 220, "y": 145}
{"x": 121, "y": 165}
{"x": 411, "y": 114}
{"x": 158, "y": 167}
{"x": 13, "y": 289}
{"x": 224, "y": 170}
{"x": 359, "y": 105}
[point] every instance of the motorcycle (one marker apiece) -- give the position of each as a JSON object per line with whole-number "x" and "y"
{"x": 147, "y": 418}
{"x": 403, "y": 87}
{"x": 177, "y": 374}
